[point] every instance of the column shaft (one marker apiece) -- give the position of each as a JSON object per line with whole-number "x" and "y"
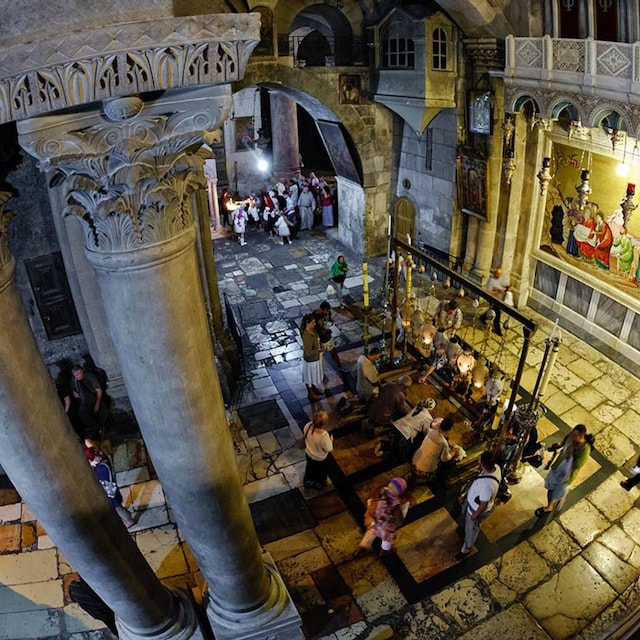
{"x": 45, "y": 463}
{"x": 486, "y": 236}
{"x": 155, "y": 311}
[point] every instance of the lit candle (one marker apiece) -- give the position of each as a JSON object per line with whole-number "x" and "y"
{"x": 365, "y": 285}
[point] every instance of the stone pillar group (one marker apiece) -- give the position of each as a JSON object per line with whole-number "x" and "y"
{"x": 140, "y": 238}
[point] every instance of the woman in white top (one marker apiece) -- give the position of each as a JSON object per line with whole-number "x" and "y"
{"x": 318, "y": 445}
{"x": 433, "y": 451}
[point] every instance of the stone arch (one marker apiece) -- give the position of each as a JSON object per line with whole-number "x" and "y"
{"x": 609, "y": 119}
{"x": 319, "y": 95}
{"x": 321, "y": 32}
{"x": 524, "y": 101}
{"x": 562, "y": 105}
{"x": 369, "y": 126}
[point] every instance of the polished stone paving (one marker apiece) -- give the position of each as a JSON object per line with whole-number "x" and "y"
{"x": 571, "y": 575}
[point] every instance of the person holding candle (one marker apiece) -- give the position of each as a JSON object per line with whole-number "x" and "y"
{"x": 338, "y": 275}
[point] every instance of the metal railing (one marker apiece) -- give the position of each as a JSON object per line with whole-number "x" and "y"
{"x": 316, "y": 50}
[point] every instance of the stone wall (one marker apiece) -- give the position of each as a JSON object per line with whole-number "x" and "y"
{"x": 431, "y": 191}
{"x": 32, "y": 234}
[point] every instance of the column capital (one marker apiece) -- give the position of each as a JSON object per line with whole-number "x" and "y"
{"x": 128, "y": 172}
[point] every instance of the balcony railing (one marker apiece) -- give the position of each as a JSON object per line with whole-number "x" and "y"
{"x": 590, "y": 64}
{"x": 316, "y": 50}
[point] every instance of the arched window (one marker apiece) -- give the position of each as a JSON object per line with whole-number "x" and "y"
{"x": 439, "y": 49}
{"x": 398, "y": 51}
{"x": 599, "y": 19}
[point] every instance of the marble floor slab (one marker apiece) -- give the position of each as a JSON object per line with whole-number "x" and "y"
{"x": 428, "y": 546}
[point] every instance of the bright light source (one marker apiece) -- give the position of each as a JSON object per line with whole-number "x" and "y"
{"x": 622, "y": 170}
{"x": 263, "y": 165}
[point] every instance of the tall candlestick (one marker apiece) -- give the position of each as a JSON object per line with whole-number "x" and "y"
{"x": 365, "y": 284}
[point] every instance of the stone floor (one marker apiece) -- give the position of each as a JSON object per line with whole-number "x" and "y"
{"x": 573, "y": 575}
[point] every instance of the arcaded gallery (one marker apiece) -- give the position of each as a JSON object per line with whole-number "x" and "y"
{"x": 320, "y": 319}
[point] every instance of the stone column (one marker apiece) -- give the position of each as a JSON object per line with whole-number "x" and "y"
{"x": 284, "y": 135}
{"x": 487, "y": 230}
{"x": 45, "y": 463}
{"x": 515, "y": 209}
{"x": 140, "y": 238}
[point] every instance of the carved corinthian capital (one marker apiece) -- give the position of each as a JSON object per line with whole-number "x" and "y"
{"x": 123, "y": 59}
{"x": 5, "y": 217}
{"x": 139, "y": 192}
{"x": 128, "y": 171}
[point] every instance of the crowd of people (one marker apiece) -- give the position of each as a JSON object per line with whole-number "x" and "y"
{"x": 282, "y": 209}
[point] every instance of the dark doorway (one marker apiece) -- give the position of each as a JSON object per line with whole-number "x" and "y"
{"x": 52, "y": 295}
{"x": 313, "y": 49}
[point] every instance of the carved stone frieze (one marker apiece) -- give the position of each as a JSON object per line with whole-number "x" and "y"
{"x": 5, "y": 218}
{"x": 589, "y": 107}
{"x": 487, "y": 54}
{"x": 120, "y": 60}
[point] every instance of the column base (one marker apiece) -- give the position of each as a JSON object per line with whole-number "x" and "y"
{"x": 277, "y": 618}
{"x": 184, "y": 626}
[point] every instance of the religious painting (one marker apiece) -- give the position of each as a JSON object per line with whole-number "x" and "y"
{"x": 480, "y": 112}
{"x": 590, "y": 219}
{"x": 349, "y": 87}
{"x": 337, "y": 149}
{"x": 244, "y": 133}
{"x": 474, "y": 187}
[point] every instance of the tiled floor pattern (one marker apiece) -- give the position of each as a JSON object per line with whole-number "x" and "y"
{"x": 569, "y": 576}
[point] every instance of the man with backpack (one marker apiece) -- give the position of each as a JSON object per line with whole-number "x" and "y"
{"x": 92, "y": 400}
{"x": 480, "y": 501}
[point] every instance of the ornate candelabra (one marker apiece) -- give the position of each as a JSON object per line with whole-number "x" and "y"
{"x": 544, "y": 175}
{"x": 627, "y": 204}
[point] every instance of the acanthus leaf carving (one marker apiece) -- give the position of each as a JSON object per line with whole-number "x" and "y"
{"x": 153, "y": 55}
{"x": 137, "y": 194}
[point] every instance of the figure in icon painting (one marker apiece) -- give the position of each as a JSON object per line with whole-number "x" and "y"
{"x": 597, "y": 241}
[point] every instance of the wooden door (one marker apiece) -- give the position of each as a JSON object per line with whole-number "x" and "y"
{"x": 404, "y": 220}
{"x": 52, "y": 295}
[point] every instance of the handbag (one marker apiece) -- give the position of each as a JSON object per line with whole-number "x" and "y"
{"x": 301, "y": 443}
{"x": 109, "y": 486}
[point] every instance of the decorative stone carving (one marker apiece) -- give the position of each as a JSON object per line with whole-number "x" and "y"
{"x": 5, "y": 218}
{"x": 131, "y": 184}
{"x": 588, "y": 106}
{"x": 487, "y": 54}
{"x": 120, "y": 109}
{"x": 131, "y": 58}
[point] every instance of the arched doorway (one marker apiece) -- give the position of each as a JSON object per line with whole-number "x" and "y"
{"x": 404, "y": 219}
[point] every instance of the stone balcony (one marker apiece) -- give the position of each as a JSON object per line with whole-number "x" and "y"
{"x": 568, "y": 68}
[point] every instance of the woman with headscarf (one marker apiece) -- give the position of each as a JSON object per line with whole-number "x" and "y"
{"x": 383, "y": 517}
